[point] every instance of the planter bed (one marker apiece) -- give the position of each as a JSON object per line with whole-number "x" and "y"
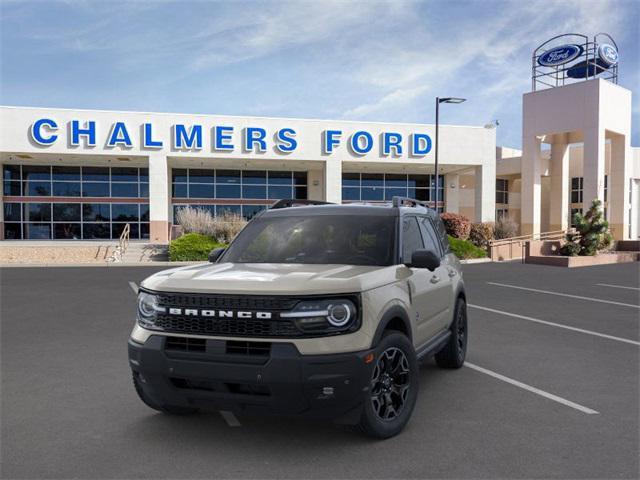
{"x": 602, "y": 259}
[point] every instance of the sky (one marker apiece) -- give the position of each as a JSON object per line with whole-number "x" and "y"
{"x": 344, "y": 60}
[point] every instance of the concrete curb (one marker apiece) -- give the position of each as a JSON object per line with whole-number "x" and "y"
{"x": 97, "y": 265}
{"x": 475, "y": 260}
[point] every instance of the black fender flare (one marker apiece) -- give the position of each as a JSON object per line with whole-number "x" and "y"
{"x": 396, "y": 311}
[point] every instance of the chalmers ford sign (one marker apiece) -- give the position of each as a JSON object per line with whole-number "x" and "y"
{"x": 222, "y": 138}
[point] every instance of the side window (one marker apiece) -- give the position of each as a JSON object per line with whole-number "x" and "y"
{"x": 411, "y": 238}
{"x": 442, "y": 233}
{"x": 429, "y": 235}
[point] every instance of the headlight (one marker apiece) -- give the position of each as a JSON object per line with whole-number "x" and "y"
{"x": 332, "y": 315}
{"x": 148, "y": 310}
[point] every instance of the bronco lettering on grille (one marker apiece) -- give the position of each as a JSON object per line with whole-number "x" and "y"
{"x": 193, "y": 312}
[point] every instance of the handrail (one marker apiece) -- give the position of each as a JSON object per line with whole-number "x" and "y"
{"x": 123, "y": 244}
{"x": 534, "y": 236}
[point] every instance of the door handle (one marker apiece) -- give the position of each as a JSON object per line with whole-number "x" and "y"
{"x": 435, "y": 279}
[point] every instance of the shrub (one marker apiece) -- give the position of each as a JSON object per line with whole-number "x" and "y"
{"x": 505, "y": 227}
{"x": 481, "y": 234}
{"x": 591, "y": 235}
{"x": 192, "y": 247}
{"x": 458, "y": 226}
{"x": 465, "y": 249}
{"x": 223, "y": 227}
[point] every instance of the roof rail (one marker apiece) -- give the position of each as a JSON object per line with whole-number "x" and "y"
{"x": 291, "y": 202}
{"x": 407, "y": 202}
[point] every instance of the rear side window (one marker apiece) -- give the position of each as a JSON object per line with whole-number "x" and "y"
{"x": 411, "y": 238}
{"x": 442, "y": 233}
{"x": 430, "y": 237}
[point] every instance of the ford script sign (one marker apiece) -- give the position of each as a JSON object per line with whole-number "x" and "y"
{"x": 560, "y": 55}
{"x": 608, "y": 54}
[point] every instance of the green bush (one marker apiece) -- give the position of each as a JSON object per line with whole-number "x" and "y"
{"x": 465, "y": 250}
{"x": 192, "y": 247}
{"x": 591, "y": 235}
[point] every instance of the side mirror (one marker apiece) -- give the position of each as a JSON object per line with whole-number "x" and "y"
{"x": 214, "y": 255}
{"x": 425, "y": 259}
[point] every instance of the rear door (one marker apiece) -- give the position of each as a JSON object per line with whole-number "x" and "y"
{"x": 426, "y": 288}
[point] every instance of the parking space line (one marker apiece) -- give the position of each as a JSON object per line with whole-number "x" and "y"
{"x": 552, "y": 324}
{"x": 590, "y": 299}
{"x": 230, "y": 418}
{"x": 531, "y": 389}
{"x": 134, "y": 287}
{"x": 617, "y": 286}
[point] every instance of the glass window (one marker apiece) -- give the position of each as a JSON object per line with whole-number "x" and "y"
{"x": 12, "y": 212}
{"x": 71, "y": 231}
{"x": 124, "y": 190}
{"x": 12, "y": 231}
{"x": 37, "y": 189}
{"x": 249, "y": 211}
{"x": 300, "y": 178}
{"x": 124, "y": 174}
{"x": 254, "y": 191}
{"x": 37, "y": 231}
{"x": 144, "y": 174}
{"x": 66, "y": 173}
{"x": 227, "y": 191}
{"x": 372, "y": 193}
{"x": 144, "y": 230}
{"x": 11, "y": 172}
{"x": 300, "y": 193}
{"x": 66, "y": 212}
{"x": 351, "y": 180}
{"x": 606, "y": 187}
{"x": 576, "y": 190}
{"x": 144, "y": 212}
{"x": 395, "y": 180}
{"x": 233, "y": 209}
{"x": 96, "y": 230}
{"x": 350, "y": 193}
{"x": 179, "y": 175}
{"x": 199, "y": 175}
{"x": 279, "y": 192}
{"x": 280, "y": 178}
{"x": 372, "y": 180}
{"x": 502, "y": 190}
{"x": 95, "y": 174}
{"x": 124, "y": 212}
{"x": 95, "y": 189}
{"x": 36, "y": 172}
{"x": 117, "y": 228}
{"x": 254, "y": 177}
{"x": 419, "y": 194}
{"x": 179, "y": 190}
{"x": 96, "y": 212}
{"x": 429, "y": 236}
{"x": 411, "y": 238}
{"x": 144, "y": 190}
{"x": 200, "y": 190}
{"x": 419, "y": 181}
{"x": 12, "y": 189}
{"x": 227, "y": 176}
{"x": 37, "y": 212}
{"x": 389, "y": 193}
{"x": 66, "y": 189}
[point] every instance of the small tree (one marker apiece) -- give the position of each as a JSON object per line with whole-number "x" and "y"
{"x": 591, "y": 235}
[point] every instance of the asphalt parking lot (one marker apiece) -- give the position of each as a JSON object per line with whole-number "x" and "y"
{"x": 551, "y": 389}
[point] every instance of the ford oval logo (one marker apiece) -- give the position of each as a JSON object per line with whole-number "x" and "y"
{"x": 560, "y": 55}
{"x": 608, "y": 54}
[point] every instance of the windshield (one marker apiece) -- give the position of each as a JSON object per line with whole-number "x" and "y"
{"x": 318, "y": 239}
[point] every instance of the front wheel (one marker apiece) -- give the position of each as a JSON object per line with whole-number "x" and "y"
{"x": 454, "y": 352}
{"x": 393, "y": 388}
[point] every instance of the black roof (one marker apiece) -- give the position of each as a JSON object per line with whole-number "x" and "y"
{"x": 347, "y": 209}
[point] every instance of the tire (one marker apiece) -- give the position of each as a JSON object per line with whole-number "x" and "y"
{"x": 454, "y": 352}
{"x": 393, "y": 388}
{"x": 168, "y": 409}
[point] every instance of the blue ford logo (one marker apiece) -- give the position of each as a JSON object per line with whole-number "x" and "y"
{"x": 560, "y": 55}
{"x": 608, "y": 54}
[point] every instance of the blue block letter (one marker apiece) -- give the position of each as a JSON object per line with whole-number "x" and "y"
{"x": 147, "y": 138}
{"x": 119, "y": 136}
{"x": 421, "y": 144}
{"x": 223, "y": 135}
{"x": 36, "y": 131}
{"x": 89, "y": 131}
{"x": 253, "y": 136}
{"x": 330, "y": 140}
{"x": 355, "y": 142}
{"x": 392, "y": 140}
{"x": 286, "y": 140}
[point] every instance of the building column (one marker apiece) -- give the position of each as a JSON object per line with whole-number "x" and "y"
{"x": 559, "y": 196}
{"x": 531, "y": 186}
{"x": 618, "y": 188}
{"x": 485, "y": 192}
{"x": 593, "y": 167}
{"x": 333, "y": 181}
{"x": 315, "y": 190}
{"x": 159, "y": 198}
{"x": 451, "y": 192}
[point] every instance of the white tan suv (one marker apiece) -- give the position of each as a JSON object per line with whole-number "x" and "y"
{"x": 318, "y": 310}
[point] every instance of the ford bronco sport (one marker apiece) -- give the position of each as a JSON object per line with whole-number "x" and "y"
{"x": 318, "y": 310}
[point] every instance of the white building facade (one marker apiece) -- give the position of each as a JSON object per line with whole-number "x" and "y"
{"x": 85, "y": 174}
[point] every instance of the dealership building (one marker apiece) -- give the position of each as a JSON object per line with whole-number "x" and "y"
{"x": 85, "y": 174}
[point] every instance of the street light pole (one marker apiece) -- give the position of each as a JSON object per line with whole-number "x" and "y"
{"x": 438, "y": 102}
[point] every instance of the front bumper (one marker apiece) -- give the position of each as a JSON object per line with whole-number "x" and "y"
{"x": 281, "y": 382}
